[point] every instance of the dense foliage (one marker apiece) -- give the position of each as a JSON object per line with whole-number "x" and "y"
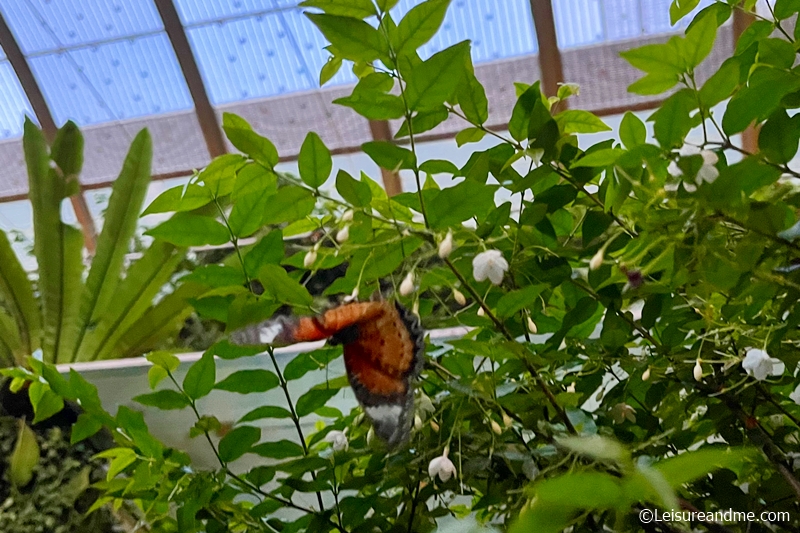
{"x": 635, "y": 328}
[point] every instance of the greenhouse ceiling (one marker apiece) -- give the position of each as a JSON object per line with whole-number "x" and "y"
{"x": 115, "y": 66}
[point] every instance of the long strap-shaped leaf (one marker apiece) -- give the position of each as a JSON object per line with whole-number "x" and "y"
{"x": 159, "y": 322}
{"x": 134, "y": 295}
{"x": 119, "y": 225}
{"x": 58, "y": 258}
{"x": 17, "y": 294}
{"x": 11, "y": 352}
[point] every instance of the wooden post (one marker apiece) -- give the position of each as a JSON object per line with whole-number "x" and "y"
{"x": 549, "y": 54}
{"x": 382, "y": 132}
{"x": 741, "y": 21}
{"x": 42, "y": 111}
{"x": 209, "y": 124}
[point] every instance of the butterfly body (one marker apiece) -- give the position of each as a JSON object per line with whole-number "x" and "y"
{"x": 383, "y": 346}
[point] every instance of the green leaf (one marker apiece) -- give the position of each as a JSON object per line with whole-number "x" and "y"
{"x": 282, "y": 288}
{"x": 67, "y": 152}
{"x": 281, "y": 449}
{"x": 515, "y": 301}
{"x": 374, "y": 105}
{"x": 181, "y": 198}
{"x": 654, "y": 83}
{"x": 469, "y": 135}
{"x": 632, "y": 131}
{"x": 454, "y": 205}
{"x": 17, "y": 294}
{"x": 680, "y": 8}
{"x": 215, "y": 276}
{"x": 353, "y": 39}
{"x": 200, "y": 377}
{"x": 721, "y": 84}
{"x": 25, "y": 457}
{"x": 423, "y": 121}
{"x": 165, "y": 360}
{"x": 689, "y": 466}
{"x": 599, "y": 158}
{"x": 329, "y": 69}
{"x": 759, "y": 98}
{"x": 119, "y": 224}
{"x": 248, "y": 211}
{"x": 345, "y": 8}
{"x": 579, "y": 121}
{"x": 84, "y": 427}
{"x": 672, "y": 121}
{"x": 269, "y": 250}
{"x": 596, "y": 447}
{"x": 249, "y": 142}
{"x": 439, "y": 166}
{"x": 472, "y": 99}
{"x": 314, "y": 161}
{"x": 290, "y": 204}
{"x": 266, "y": 411}
{"x": 204, "y": 425}
{"x": 254, "y": 178}
{"x": 164, "y": 399}
{"x": 313, "y": 400}
{"x": 419, "y": 25}
{"x": 307, "y": 361}
{"x": 657, "y": 58}
{"x": 187, "y": 229}
{"x": 45, "y": 402}
{"x": 386, "y": 5}
{"x": 520, "y": 115}
{"x": 355, "y": 192}
{"x": 779, "y": 137}
{"x": 249, "y": 381}
{"x": 784, "y": 9}
{"x": 156, "y": 375}
{"x": 238, "y": 442}
{"x": 388, "y": 155}
{"x": 219, "y": 176}
{"x": 123, "y": 458}
{"x": 434, "y": 81}
{"x": 700, "y": 39}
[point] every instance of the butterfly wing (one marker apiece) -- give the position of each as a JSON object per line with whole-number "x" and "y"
{"x": 383, "y": 364}
{"x": 383, "y": 355}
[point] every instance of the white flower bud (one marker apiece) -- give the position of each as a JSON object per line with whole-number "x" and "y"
{"x": 496, "y": 427}
{"x": 597, "y": 260}
{"x": 507, "y": 420}
{"x": 417, "y": 422}
{"x": 532, "y": 326}
{"x": 571, "y": 387}
{"x": 337, "y": 439}
{"x": 481, "y": 312}
{"x": 348, "y": 216}
{"x": 310, "y": 259}
{"x": 446, "y": 246}
{"x": 434, "y": 426}
{"x": 353, "y": 296}
{"x": 698, "y": 370}
{"x": 458, "y": 296}
{"x": 646, "y": 374}
{"x": 407, "y": 286}
{"x": 415, "y": 307}
{"x": 343, "y": 234}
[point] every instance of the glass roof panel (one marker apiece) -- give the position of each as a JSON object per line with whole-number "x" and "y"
{"x": 498, "y": 30}
{"x": 14, "y": 104}
{"x": 250, "y": 58}
{"x": 99, "y": 60}
{"x": 42, "y": 26}
{"x": 193, "y": 12}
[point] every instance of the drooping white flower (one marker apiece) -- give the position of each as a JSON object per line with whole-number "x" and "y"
{"x": 697, "y": 371}
{"x": 309, "y": 259}
{"x": 760, "y": 365}
{"x": 442, "y": 467}
{"x": 795, "y": 396}
{"x": 646, "y": 374}
{"x": 446, "y": 246}
{"x": 621, "y": 412}
{"x": 597, "y": 259}
{"x": 571, "y": 387}
{"x": 459, "y": 297}
{"x": 489, "y": 264}
{"x": 674, "y": 170}
{"x": 343, "y": 234}
{"x": 348, "y": 216}
{"x": 424, "y": 404}
{"x": 352, "y": 297}
{"x": 407, "y": 286}
{"x": 532, "y": 326}
{"x": 337, "y": 439}
{"x": 708, "y": 172}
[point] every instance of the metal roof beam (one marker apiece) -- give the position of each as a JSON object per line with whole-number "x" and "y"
{"x": 42, "y": 111}
{"x": 209, "y": 123}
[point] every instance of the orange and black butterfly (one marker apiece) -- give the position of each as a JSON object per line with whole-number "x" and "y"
{"x": 383, "y": 354}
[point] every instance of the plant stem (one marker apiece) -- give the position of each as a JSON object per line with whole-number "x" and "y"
{"x": 234, "y": 240}
{"x": 507, "y": 334}
{"x": 295, "y": 418}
